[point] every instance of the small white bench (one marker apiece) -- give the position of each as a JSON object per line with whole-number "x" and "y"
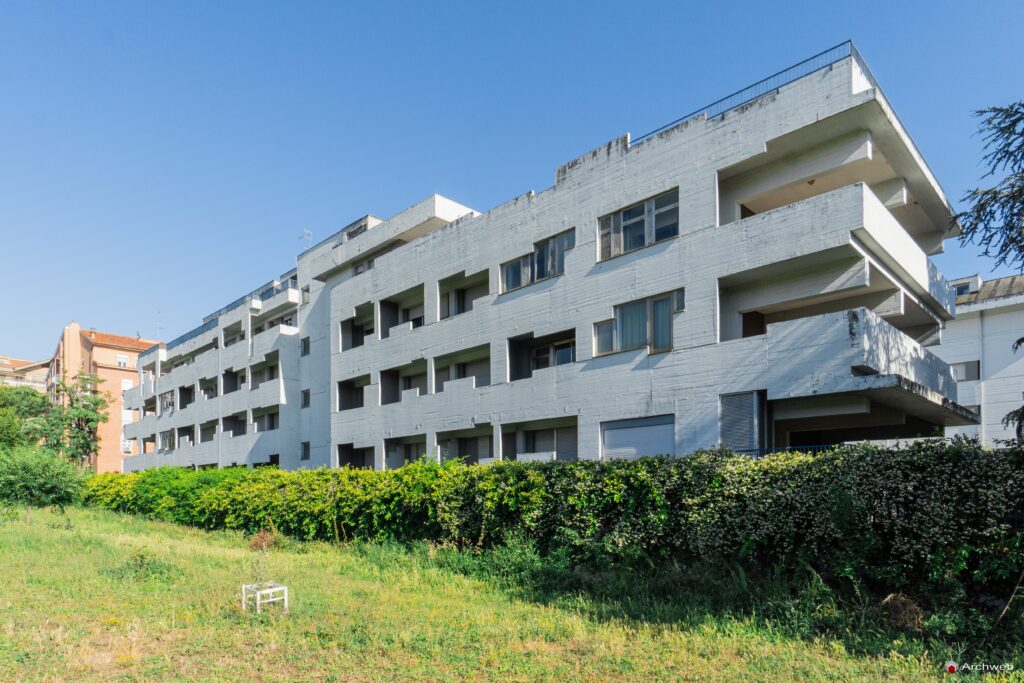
{"x": 260, "y": 594}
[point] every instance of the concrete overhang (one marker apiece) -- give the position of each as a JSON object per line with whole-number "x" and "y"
{"x": 416, "y": 221}
{"x": 915, "y": 399}
{"x": 927, "y": 210}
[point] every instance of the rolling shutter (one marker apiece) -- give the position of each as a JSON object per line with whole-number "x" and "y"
{"x": 738, "y": 423}
{"x": 635, "y": 438}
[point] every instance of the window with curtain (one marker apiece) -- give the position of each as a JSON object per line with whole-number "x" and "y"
{"x": 631, "y": 325}
{"x": 604, "y": 336}
{"x": 638, "y": 324}
{"x": 661, "y": 323}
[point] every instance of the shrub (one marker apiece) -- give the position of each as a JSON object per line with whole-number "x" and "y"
{"x": 935, "y": 522}
{"x": 36, "y": 477}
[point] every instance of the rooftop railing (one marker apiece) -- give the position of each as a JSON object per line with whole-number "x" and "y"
{"x": 191, "y": 334}
{"x": 822, "y": 60}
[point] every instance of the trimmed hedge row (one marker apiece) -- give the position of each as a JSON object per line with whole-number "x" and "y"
{"x": 931, "y": 517}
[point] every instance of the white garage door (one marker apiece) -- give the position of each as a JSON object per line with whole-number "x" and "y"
{"x": 639, "y": 437}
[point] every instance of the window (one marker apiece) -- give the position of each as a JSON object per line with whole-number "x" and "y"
{"x": 558, "y": 353}
{"x": 742, "y": 425}
{"x": 661, "y": 324}
{"x": 304, "y": 401}
{"x": 631, "y": 325}
{"x": 628, "y": 439}
{"x": 639, "y": 324}
{"x": 640, "y": 225}
{"x": 515, "y": 273}
{"x": 967, "y": 371}
{"x": 563, "y": 353}
{"x": 547, "y": 260}
{"x": 304, "y": 455}
{"x": 167, "y": 401}
{"x": 604, "y": 336}
{"x": 539, "y": 440}
{"x": 962, "y": 289}
{"x": 680, "y": 301}
{"x": 304, "y": 346}
{"x": 122, "y": 360}
{"x": 266, "y": 423}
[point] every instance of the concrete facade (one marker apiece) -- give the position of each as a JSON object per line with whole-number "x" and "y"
{"x": 979, "y": 347}
{"x": 759, "y": 278}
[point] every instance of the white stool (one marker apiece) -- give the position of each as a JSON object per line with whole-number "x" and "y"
{"x": 260, "y": 594}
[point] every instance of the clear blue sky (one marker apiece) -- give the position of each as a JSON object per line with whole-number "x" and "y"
{"x": 157, "y": 160}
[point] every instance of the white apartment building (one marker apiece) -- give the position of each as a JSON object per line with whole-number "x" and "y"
{"x": 978, "y": 345}
{"x": 756, "y": 274}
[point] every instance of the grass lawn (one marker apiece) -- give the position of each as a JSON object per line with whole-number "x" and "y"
{"x": 106, "y": 597}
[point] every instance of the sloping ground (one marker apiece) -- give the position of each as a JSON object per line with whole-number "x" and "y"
{"x": 101, "y": 597}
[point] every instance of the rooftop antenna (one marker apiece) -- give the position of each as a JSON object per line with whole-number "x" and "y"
{"x": 307, "y": 235}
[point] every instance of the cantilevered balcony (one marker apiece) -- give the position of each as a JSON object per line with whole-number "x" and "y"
{"x": 839, "y": 250}
{"x": 855, "y": 352}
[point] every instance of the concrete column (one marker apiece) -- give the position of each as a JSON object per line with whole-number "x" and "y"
{"x": 497, "y": 451}
{"x": 431, "y": 447}
{"x": 430, "y": 375}
{"x": 431, "y": 303}
{"x": 499, "y": 362}
{"x": 379, "y": 455}
{"x": 378, "y": 324}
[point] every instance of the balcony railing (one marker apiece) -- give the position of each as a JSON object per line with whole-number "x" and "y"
{"x": 192, "y": 334}
{"x": 822, "y": 60}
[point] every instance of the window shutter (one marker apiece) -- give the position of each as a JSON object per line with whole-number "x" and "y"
{"x": 630, "y": 439}
{"x": 739, "y": 421}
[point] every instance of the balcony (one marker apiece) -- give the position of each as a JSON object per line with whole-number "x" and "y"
{"x": 269, "y": 393}
{"x": 855, "y": 351}
{"x": 132, "y": 398}
{"x": 840, "y": 250}
{"x": 275, "y": 338}
{"x": 145, "y": 426}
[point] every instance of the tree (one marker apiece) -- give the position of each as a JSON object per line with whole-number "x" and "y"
{"x": 26, "y": 402}
{"x": 10, "y": 429}
{"x": 995, "y": 219}
{"x": 31, "y": 408}
{"x": 70, "y": 428}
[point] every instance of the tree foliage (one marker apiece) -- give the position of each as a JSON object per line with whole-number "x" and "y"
{"x": 995, "y": 219}
{"x": 69, "y": 428}
{"x": 11, "y": 433}
{"x": 26, "y": 402}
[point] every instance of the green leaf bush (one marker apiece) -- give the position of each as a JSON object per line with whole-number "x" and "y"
{"x": 939, "y": 520}
{"x": 36, "y": 477}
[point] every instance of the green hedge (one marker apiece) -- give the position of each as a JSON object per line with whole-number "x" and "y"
{"x": 931, "y": 518}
